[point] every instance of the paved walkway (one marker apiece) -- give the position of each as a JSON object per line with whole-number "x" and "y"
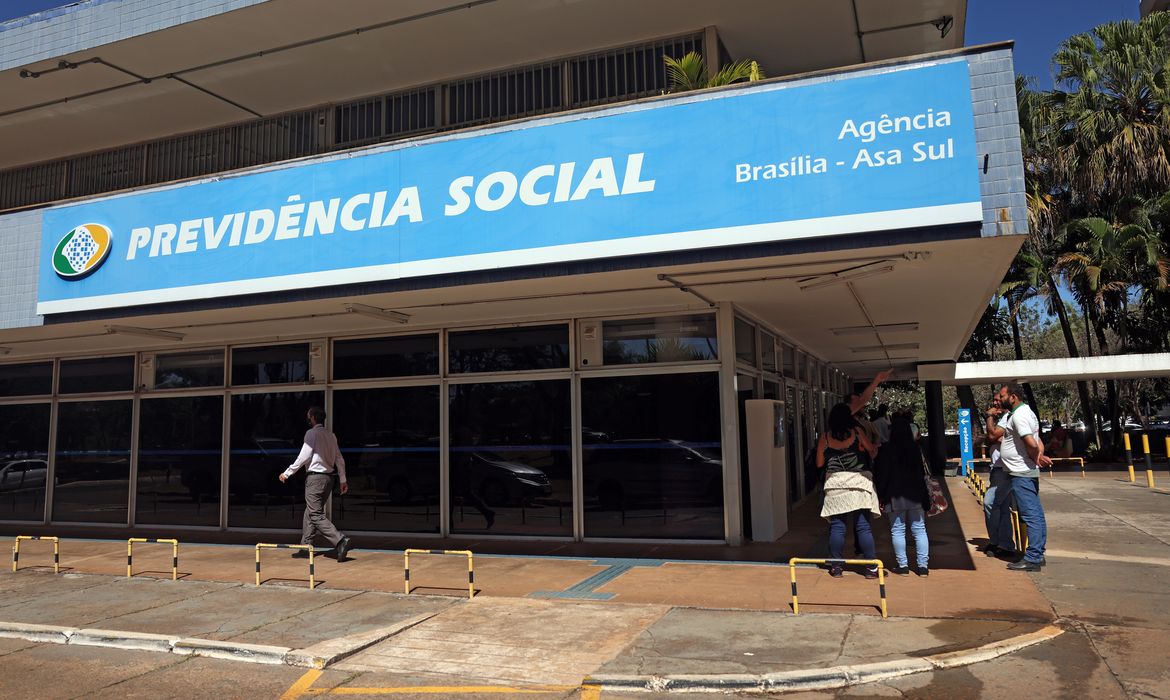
{"x": 950, "y": 591}
{"x": 540, "y": 621}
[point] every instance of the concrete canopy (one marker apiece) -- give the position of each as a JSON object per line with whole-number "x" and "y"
{"x": 921, "y": 297}
{"x": 1060, "y": 369}
{"x": 282, "y": 55}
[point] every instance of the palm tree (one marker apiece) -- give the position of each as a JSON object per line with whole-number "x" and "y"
{"x": 690, "y": 73}
{"x": 1033, "y": 273}
{"x": 1114, "y": 118}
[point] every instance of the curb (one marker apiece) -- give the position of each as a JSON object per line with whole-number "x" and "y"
{"x": 318, "y": 656}
{"x": 822, "y": 679}
{"x": 51, "y": 634}
{"x": 231, "y": 651}
{"x": 329, "y": 652}
{"x": 123, "y": 640}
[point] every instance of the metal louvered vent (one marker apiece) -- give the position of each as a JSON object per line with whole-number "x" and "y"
{"x": 499, "y": 97}
{"x": 629, "y": 73}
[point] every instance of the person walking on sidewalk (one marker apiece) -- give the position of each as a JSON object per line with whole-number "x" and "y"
{"x": 1022, "y": 453}
{"x": 845, "y": 454}
{"x": 901, "y": 489}
{"x": 999, "y": 493}
{"x": 321, "y": 454}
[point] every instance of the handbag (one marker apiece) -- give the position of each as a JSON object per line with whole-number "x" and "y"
{"x": 938, "y": 499}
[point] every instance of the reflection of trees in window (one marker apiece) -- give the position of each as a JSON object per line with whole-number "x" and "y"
{"x": 398, "y": 356}
{"x": 510, "y": 349}
{"x": 656, "y": 350}
{"x": 26, "y": 431}
{"x": 665, "y": 339}
{"x": 284, "y": 364}
{"x": 94, "y": 427}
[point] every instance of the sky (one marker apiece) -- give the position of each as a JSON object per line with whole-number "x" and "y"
{"x": 1038, "y": 27}
{"x": 19, "y": 8}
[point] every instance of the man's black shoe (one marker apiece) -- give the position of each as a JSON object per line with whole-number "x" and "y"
{"x": 1024, "y": 565}
{"x": 342, "y": 548}
{"x": 301, "y": 554}
{"x": 901, "y": 570}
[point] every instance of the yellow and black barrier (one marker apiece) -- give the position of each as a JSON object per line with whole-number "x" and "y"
{"x": 456, "y": 552}
{"x": 56, "y": 550}
{"x": 1149, "y": 461}
{"x": 1080, "y": 461}
{"x": 842, "y": 562}
{"x": 174, "y": 555}
{"x": 1019, "y": 530}
{"x": 1129, "y": 457}
{"x": 306, "y": 547}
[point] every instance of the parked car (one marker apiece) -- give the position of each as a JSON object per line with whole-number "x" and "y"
{"x": 253, "y": 470}
{"x": 23, "y": 474}
{"x": 409, "y": 472}
{"x": 651, "y": 472}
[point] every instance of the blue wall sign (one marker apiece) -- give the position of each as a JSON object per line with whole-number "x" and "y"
{"x": 771, "y": 162}
{"x": 966, "y": 441}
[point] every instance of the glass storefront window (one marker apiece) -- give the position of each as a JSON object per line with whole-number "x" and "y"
{"x": 179, "y": 450}
{"x": 182, "y": 370}
{"x": 745, "y": 342}
{"x": 274, "y": 364}
{"x": 509, "y": 349}
{"x": 390, "y": 440}
{"x": 666, "y": 339}
{"x": 789, "y": 368}
{"x": 267, "y": 431}
{"x": 768, "y": 352}
{"x": 97, "y": 374}
{"x": 24, "y": 452}
{"x": 511, "y": 462}
{"x": 92, "y": 482}
{"x": 397, "y": 356}
{"x": 652, "y": 456}
{"x": 28, "y": 379}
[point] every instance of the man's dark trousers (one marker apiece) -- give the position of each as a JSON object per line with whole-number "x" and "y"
{"x": 317, "y": 488}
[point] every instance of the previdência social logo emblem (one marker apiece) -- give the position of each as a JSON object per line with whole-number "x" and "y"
{"x": 82, "y": 251}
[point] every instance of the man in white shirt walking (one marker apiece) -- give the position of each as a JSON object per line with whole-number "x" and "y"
{"x": 1022, "y": 455}
{"x": 321, "y": 454}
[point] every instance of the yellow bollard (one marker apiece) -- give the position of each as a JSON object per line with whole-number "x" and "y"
{"x": 1149, "y": 461}
{"x": 1129, "y": 457}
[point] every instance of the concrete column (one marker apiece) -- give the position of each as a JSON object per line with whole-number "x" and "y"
{"x": 729, "y": 417}
{"x": 936, "y": 449}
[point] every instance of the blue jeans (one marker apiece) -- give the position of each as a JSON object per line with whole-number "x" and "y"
{"x": 995, "y": 510}
{"x": 838, "y": 524}
{"x": 1027, "y": 492}
{"x": 917, "y": 520}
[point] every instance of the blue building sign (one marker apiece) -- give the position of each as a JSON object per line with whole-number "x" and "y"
{"x": 966, "y": 441}
{"x": 770, "y": 162}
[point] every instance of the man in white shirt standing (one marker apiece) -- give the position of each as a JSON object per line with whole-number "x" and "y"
{"x": 321, "y": 454}
{"x": 1022, "y": 455}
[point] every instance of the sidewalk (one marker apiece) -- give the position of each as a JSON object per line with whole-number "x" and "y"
{"x": 539, "y": 619}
